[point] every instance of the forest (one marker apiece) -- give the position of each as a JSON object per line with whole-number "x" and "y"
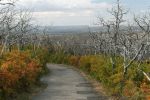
{"x": 117, "y": 56}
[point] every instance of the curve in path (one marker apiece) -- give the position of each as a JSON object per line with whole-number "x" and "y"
{"x": 65, "y": 83}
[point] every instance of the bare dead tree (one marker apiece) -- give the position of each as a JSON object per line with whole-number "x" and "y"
{"x": 24, "y": 28}
{"x": 9, "y": 24}
{"x": 144, "y": 24}
{"x": 127, "y": 43}
{"x": 7, "y": 2}
{"x": 113, "y": 30}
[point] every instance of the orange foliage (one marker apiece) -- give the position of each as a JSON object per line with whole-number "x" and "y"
{"x": 18, "y": 68}
{"x": 145, "y": 89}
{"x": 74, "y": 60}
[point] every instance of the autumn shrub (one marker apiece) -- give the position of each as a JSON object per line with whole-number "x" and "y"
{"x": 145, "y": 88}
{"x": 96, "y": 65}
{"x": 42, "y": 55}
{"x": 19, "y": 71}
{"x": 131, "y": 91}
{"x": 85, "y": 63}
{"x": 74, "y": 60}
{"x": 100, "y": 68}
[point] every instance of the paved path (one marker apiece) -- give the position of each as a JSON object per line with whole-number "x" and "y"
{"x": 66, "y": 84}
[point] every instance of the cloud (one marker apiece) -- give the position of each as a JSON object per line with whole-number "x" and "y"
{"x": 64, "y": 12}
{"x": 64, "y": 18}
{"x": 63, "y": 5}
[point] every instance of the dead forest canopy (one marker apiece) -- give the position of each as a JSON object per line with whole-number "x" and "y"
{"x": 117, "y": 56}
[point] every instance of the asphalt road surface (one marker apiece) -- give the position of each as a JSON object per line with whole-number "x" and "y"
{"x": 64, "y": 83}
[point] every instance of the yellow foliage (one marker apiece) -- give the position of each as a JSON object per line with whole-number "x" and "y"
{"x": 130, "y": 89}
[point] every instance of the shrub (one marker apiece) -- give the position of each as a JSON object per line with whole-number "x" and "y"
{"x": 74, "y": 60}
{"x": 57, "y": 57}
{"x": 99, "y": 67}
{"x": 18, "y": 71}
{"x": 85, "y": 63}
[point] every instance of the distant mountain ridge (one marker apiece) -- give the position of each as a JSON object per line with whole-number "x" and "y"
{"x": 78, "y": 29}
{"x": 71, "y": 29}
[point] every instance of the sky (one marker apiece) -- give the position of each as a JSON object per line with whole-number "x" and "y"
{"x": 76, "y": 12}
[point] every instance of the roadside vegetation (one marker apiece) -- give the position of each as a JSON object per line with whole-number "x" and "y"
{"x": 19, "y": 72}
{"x": 117, "y": 57}
{"x": 135, "y": 87}
{"x": 23, "y": 52}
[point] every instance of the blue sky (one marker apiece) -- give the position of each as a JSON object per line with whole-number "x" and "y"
{"x": 77, "y": 12}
